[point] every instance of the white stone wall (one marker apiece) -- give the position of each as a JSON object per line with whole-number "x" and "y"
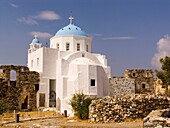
{"x": 32, "y": 60}
{"x": 46, "y": 67}
{"x": 72, "y": 40}
{"x": 120, "y": 86}
{"x": 49, "y": 62}
{"x": 102, "y": 82}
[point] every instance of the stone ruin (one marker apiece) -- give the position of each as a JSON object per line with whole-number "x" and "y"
{"x": 158, "y": 119}
{"x": 121, "y": 86}
{"x": 18, "y": 86}
{"x": 134, "y": 81}
{"x": 160, "y": 89}
{"x": 133, "y": 96}
{"x": 125, "y": 107}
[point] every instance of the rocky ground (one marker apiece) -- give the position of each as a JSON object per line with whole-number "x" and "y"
{"x": 158, "y": 118}
{"x": 62, "y": 122}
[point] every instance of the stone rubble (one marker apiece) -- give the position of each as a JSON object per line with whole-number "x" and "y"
{"x": 158, "y": 119}
{"x": 125, "y": 107}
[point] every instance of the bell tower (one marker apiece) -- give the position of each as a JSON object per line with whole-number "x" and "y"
{"x": 34, "y": 45}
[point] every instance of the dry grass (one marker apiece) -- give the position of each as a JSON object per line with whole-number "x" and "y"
{"x": 6, "y": 117}
{"x": 136, "y": 120}
{"x": 24, "y": 115}
{"x": 69, "y": 122}
{"x": 37, "y": 114}
{"x": 65, "y": 123}
{"x": 76, "y": 119}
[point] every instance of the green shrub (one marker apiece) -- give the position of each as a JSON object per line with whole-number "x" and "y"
{"x": 80, "y": 104}
{"x": 4, "y": 106}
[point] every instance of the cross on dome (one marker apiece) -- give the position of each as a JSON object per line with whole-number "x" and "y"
{"x": 35, "y": 36}
{"x": 71, "y": 19}
{"x": 71, "y": 30}
{"x": 35, "y": 40}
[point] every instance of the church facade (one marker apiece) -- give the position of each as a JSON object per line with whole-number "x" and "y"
{"x": 68, "y": 66}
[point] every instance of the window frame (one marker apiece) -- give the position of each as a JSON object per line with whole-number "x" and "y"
{"x": 87, "y": 47}
{"x": 38, "y": 61}
{"x": 67, "y": 46}
{"x": 58, "y": 46}
{"x": 143, "y": 86}
{"x": 32, "y": 63}
{"x": 92, "y": 82}
{"x": 78, "y": 46}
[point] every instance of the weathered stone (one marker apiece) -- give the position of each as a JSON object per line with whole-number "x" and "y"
{"x": 134, "y": 81}
{"x": 120, "y": 108}
{"x": 119, "y": 86}
{"x": 18, "y": 86}
{"x": 158, "y": 119}
{"x": 148, "y": 125}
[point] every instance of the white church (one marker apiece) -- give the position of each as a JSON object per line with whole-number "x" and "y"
{"x": 68, "y": 66}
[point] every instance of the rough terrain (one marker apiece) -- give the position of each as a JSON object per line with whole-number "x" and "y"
{"x": 62, "y": 122}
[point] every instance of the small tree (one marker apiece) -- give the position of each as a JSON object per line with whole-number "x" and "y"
{"x": 80, "y": 104}
{"x": 4, "y": 106}
{"x": 164, "y": 74}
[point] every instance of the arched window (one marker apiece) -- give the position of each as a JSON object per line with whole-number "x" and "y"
{"x": 143, "y": 86}
{"x": 78, "y": 46}
{"x": 58, "y": 46}
{"x": 38, "y": 61}
{"x": 134, "y": 74}
{"x": 67, "y": 46}
{"x": 13, "y": 75}
{"x": 87, "y": 48}
{"x": 32, "y": 63}
{"x": 83, "y": 55}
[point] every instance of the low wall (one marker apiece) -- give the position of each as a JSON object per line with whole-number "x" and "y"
{"x": 121, "y": 108}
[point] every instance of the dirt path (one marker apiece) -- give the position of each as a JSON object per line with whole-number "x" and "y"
{"x": 69, "y": 123}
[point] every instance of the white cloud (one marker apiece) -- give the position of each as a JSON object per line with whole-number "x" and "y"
{"x": 41, "y": 35}
{"x": 163, "y": 49}
{"x": 14, "y": 5}
{"x": 48, "y": 15}
{"x": 120, "y": 38}
{"x": 29, "y": 20}
{"x": 96, "y": 34}
{"x": 43, "y": 15}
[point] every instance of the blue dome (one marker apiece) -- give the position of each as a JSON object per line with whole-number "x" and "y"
{"x": 71, "y": 30}
{"x": 35, "y": 40}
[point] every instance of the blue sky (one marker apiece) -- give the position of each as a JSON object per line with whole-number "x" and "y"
{"x": 131, "y": 33}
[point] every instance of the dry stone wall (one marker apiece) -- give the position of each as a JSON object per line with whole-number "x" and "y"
{"x": 21, "y": 92}
{"x": 119, "y": 86}
{"x": 121, "y": 108}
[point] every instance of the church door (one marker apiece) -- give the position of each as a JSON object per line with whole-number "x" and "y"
{"x": 52, "y": 99}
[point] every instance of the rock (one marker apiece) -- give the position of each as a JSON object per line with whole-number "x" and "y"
{"x": 148, "y": 125}
{"x": 120, "y": 108}
{"x": 157, "y": 119}
{"x": 71, "y": 121}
